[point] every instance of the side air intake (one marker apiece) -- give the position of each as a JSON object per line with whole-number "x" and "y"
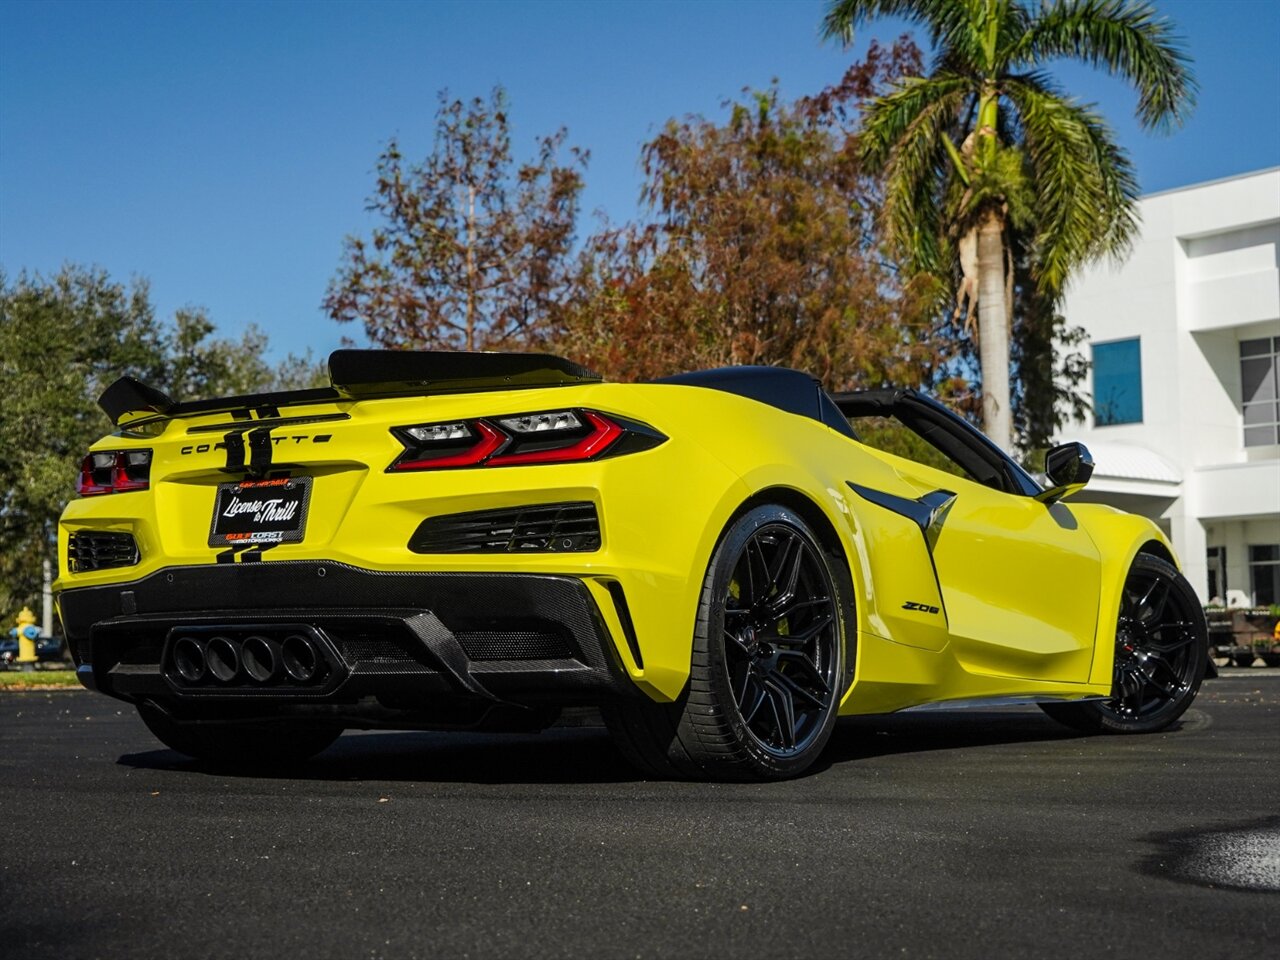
{"x": 542, "y": 528}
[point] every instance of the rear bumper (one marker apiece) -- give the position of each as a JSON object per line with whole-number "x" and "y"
{"x": 417, "y": 649}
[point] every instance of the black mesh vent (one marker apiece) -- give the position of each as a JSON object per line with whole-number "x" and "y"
{"x": 544, "y": 528}
{"x": 99, "y": 550}
{"x": 513, "y": 645}
{"x": 380, "y": 644}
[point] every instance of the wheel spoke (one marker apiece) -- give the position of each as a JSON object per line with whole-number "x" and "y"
{"x": 1185, "y": 637}
{"x": 753, "y": 695}
{"x": 780, "y": 561}
{"x": 795, "y": 606}
{"x": 808, "y": 666}
{"x": 736, "y": 642}
{"x": 757, "y": 572}
{"x": 807, "y": 634}
{"x": 1139, "y": 694}
{"x": 1161, "y": 689}
{"x": 785, "y": 593}
{"x": 795, "y": 690}
{"x": 739, "y": 676}
{"x": 1159, "y": 589}
{"x": 784, "y": 713}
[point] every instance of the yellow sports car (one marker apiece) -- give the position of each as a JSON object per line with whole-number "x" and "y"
{"x": 718, "y": 560}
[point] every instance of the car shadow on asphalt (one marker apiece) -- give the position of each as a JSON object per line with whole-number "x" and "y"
{"x": 864, "y": 738}
{"x": 586, "y": 755}
{"x": 555, "y": 756}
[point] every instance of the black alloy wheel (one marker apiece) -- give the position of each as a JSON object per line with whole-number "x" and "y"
{"x": 770, "y": 660}
{"x": 1161, "y": 654}
{"x": 780, "y": 639}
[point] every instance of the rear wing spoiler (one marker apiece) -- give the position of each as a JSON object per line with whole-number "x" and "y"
{"x": 361, "y": 375}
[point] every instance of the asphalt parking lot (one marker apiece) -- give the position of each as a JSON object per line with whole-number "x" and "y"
{"x": 947, "y": 835}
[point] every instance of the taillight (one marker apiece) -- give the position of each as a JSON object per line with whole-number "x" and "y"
{"x": 114, "y": 471}
{"x": 557, "y": 436}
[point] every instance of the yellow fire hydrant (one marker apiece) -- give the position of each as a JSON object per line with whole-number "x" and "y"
{"x": 27, "y": 633}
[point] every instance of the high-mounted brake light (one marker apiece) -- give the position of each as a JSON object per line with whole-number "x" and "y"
{"x": 114, "y": 471}
{"x": 557, "y": 436}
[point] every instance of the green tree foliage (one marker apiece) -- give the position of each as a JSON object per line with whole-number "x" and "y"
{"x": 63, "y": 339}
{"x": 760, "y": 248}
{"x": 198, "y": 365}
{"x": 473, "y": 251}
{"x": 987, "y": 145}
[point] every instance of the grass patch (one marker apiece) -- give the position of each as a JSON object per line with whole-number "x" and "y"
{"x": 37, "y": 679}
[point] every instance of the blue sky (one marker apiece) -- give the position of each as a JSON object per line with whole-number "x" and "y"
{"x": 223, "y": 150}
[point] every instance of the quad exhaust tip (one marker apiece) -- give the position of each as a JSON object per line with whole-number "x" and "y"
{"x": 222, "y": 657}
{"x": 255, "y": 659}
{"x": 302, "y": 660}
{"x": 260, "y": 658}
{"x": 188, "y": 659}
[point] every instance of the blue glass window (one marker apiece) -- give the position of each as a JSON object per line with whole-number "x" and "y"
{"x": 1117, "y": 382}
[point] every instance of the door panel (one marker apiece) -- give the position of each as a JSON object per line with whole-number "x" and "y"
{"x": 1020, "y": 581}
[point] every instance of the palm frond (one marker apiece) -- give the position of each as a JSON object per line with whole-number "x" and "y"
{"x": 907, "y": 144}
{"x": 1086, "y": 190}
{"x": 950, "y": 23}
{"x": 890, "y": 117}
{"x": 1125, "y": 37}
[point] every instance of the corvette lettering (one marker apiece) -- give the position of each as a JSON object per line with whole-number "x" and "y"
{"x": 222, "y": 445}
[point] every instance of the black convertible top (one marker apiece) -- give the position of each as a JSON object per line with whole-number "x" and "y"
{"x": 789, "y": 390}
{"x": 361, "y": 374}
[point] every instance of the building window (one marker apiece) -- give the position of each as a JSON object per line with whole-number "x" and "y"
{"x": 1264, "y": 573}
{"x": 1117, "y": 382}
{"x": 1260, "y": 391}
{"x": 1217, "y": 558}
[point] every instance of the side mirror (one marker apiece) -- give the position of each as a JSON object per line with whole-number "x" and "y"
{"x": 1068, "y": 467}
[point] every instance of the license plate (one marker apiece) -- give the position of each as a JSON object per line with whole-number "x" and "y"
{"x": 260, "y": 511}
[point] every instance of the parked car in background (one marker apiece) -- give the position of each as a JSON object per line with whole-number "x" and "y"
{"x": 48, "y": 650}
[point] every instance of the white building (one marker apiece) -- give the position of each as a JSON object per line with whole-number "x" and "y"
{"x": 1184, "y": 338}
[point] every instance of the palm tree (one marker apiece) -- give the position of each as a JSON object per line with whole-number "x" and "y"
{"x": 988, "y": 144}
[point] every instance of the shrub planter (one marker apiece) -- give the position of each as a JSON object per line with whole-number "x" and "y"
{"x": 1242, "y": 656}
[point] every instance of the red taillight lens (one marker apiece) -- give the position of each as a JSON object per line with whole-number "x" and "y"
{"x": 603, "y": 433}
{"x": 560, "y": 436}
{"x": 114, "y": 471}
{"x": 488, "y": 442}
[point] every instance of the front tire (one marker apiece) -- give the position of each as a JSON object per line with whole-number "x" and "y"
{"x": 769, "y": 662}
{"x": 1162, "y": 651}
{"x": 245, "y": 744}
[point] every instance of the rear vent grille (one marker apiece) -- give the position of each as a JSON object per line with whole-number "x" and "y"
{"x": 513, "y": 645}
{"x": 543, "y": 528}
{"x": 100, "y": 550}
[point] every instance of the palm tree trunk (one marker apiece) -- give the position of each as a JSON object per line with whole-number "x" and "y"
{"x": 993, "y": 332}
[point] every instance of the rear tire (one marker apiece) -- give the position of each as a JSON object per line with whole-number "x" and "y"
{"x": 1162, "y": 651}
{"x": 240, "y": 744}
{"x": 769, "y": 662}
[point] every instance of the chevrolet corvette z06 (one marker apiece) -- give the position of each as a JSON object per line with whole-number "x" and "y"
{"x": 715, "y": 560}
